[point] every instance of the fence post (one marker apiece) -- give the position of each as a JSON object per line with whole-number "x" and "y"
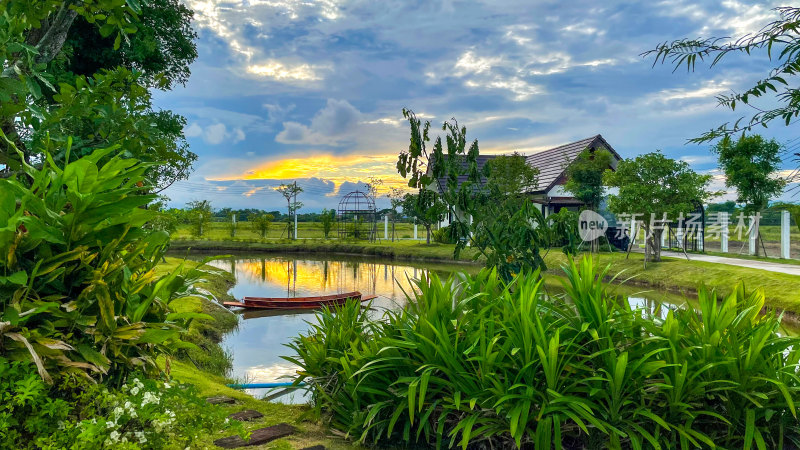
{"x": 785, "y": 233}
{"x": 386, "y": 227}
{"x": 415, "y": 232}
{"x": 295, "y": 225}
{"x": 633, "y": 231}
{"x": 753, "y": 235}
{"x": 723, "y": 237}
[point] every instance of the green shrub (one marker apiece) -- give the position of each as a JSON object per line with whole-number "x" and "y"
{"x": 473, "y": 361}
{"x": 78, "y": 292}
{"x": 143, "y": 414}
{"x": 442, "y": 236}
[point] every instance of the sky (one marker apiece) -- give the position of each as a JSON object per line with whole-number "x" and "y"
{"x": 313, "y": 91}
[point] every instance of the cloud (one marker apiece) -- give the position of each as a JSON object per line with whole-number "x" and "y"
{"x": 284, "y": 72}
{"x": 215, "y": 134}
{"x": 338, "y": 118}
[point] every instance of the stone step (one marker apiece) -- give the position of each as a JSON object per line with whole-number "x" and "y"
{"x": 257, "y": 437}
{"x": 247, "y": 414}
{"x": 220, "y": 399}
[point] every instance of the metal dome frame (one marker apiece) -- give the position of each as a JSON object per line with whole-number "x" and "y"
{"x": 357, "y": 217}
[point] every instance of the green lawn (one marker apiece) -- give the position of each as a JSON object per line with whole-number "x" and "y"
{"x": 313, "y": 230}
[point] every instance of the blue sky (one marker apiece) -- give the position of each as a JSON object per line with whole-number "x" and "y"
{"x": 288, "y": 90}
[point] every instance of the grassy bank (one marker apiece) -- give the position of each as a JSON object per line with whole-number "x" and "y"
{"x": 205, "y": 368}
{"x": 401, "y": 250}
{"x": 305, "y": 230}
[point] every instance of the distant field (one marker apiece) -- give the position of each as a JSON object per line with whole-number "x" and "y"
{"x": 305, "y": 230}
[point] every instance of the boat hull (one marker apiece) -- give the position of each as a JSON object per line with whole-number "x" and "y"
{"x": 298, "y": 302}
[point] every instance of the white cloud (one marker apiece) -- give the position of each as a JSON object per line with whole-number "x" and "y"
{"x": 338, "y": 118}
{"x": 284, "y": 72}
{"x": 215, "y": 133}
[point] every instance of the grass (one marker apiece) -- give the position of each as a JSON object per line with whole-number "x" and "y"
{"x": 305, "y": 230}
{"x": 684, "y": 277}
{"x": 406, "y": 250}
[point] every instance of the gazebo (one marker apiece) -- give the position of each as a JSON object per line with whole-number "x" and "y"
{"x": 357, "y": 217}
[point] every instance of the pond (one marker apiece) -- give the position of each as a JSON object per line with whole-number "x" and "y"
{"x": 258, "y": 344}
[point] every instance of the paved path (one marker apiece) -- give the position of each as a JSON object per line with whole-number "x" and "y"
{"x": 790, "y": 269}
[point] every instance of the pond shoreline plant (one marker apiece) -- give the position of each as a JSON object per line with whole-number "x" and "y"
{"x": 475, "y": 362}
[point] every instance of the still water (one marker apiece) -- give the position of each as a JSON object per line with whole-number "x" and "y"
{"x": 258, "y": 344}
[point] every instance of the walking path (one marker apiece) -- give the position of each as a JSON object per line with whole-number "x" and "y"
{"x": 790, "y": 269}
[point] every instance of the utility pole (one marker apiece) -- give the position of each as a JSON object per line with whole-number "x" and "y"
{"x": 294, "y": 236}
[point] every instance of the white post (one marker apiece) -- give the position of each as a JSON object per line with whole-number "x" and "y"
{"x": 633, "y": 231}
{"x": 415, "y": 232}
{"x": 753, "y": 235}
{"x": 701, "y": 237}
{"x": 295, "y": 224}
{"x": 679, "y": 235}
{"x": 386, "y": 227}
{"x": 785, "y": 233}
{"x": 723, "y": 238}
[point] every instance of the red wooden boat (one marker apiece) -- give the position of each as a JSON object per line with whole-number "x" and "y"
{"x": 298, "y": 302}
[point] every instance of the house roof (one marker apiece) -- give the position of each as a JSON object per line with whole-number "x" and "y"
{"x": 552, "y": 163}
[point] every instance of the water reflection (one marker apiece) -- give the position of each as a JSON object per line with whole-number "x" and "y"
{"x": 259, "y": 342}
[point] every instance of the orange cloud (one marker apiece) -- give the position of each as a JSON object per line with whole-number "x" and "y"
{"x": 335, "y": 168}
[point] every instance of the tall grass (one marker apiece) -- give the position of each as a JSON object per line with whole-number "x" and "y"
{"x": 472, "y": 361}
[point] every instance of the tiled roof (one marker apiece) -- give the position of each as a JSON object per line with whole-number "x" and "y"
{"x": 551, "y": 163}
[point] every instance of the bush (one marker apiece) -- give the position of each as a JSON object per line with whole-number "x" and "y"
{"x": 78, "y": 291}
{"x": 473, "y": 361}
{"x": 442, "y": 236}
{"x": 143, "y": 414}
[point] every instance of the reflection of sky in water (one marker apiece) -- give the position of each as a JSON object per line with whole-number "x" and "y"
{"x": 258, "y": 344}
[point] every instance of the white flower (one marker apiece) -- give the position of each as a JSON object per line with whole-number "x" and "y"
{"x": 114, "y": 436}
{"x": 149, "y": 397}
{"x": 111, "y": 424}
{"x": 167, "y": 386}
{"x": 141, "y": 437}
{"x": 117, "y": 412}
{"x": 135, "y": 390}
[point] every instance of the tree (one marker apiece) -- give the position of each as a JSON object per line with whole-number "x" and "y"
{"x": 509, "y": 176}
{"x": 161, "y": 49}
{"x": 199, "y": 215}
{"x": 655, "y": 186}
{"x": 373, "y": 185}
{"x": 396, "y": 201}
{"x": 425, "y": 207}
{"x": 289, "y": 192}
{"x": 508, "y": 234}
{"x": 585, "y": 176}
{"x": 49, "y": 94}
{"x": 327, "y": 217}
{"x": 232, "y": 224}
{"x": 780, "y": 40}
{"x": 749, "y": 165}
{"x": 261, "y": 223}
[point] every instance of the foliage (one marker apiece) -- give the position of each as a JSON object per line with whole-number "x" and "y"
{"x": 162, "y": 219}
{"x": 585, "y": 176}
{"x": 261, "y": 223}
{"x": 199, "y": 215}
{"x": 327, "y": 217}
{"x": 505, "y": 229}
{"x": 78, "y": 291}
{"x": 425, "y": 207}
{"x": 780, "y": 40}
{"x": 474, "y": 362}
{"x": 290, "y": 192}
{"x": 509, "y": 175}
{"x": 563, "y": 227}
{"x": 161, "y": 49}
{"x": 42, "y": 104}
{"x": 443, "y": 236}
{"x": 143, "y": 414}
{"x": 748, "y": 164}
{"x": 655, "y": 187}
{"x": 232, "y": 223}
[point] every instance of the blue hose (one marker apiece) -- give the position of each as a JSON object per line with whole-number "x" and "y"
{"x": 263, "y": 385}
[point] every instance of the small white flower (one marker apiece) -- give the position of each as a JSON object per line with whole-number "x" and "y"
{"x": 149, "y": 397}
{"x": 114, "y": 436}
{"x": 140, "y": 437}
{"x": 167, "y": 386}
{"x": 135, "y": 390}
